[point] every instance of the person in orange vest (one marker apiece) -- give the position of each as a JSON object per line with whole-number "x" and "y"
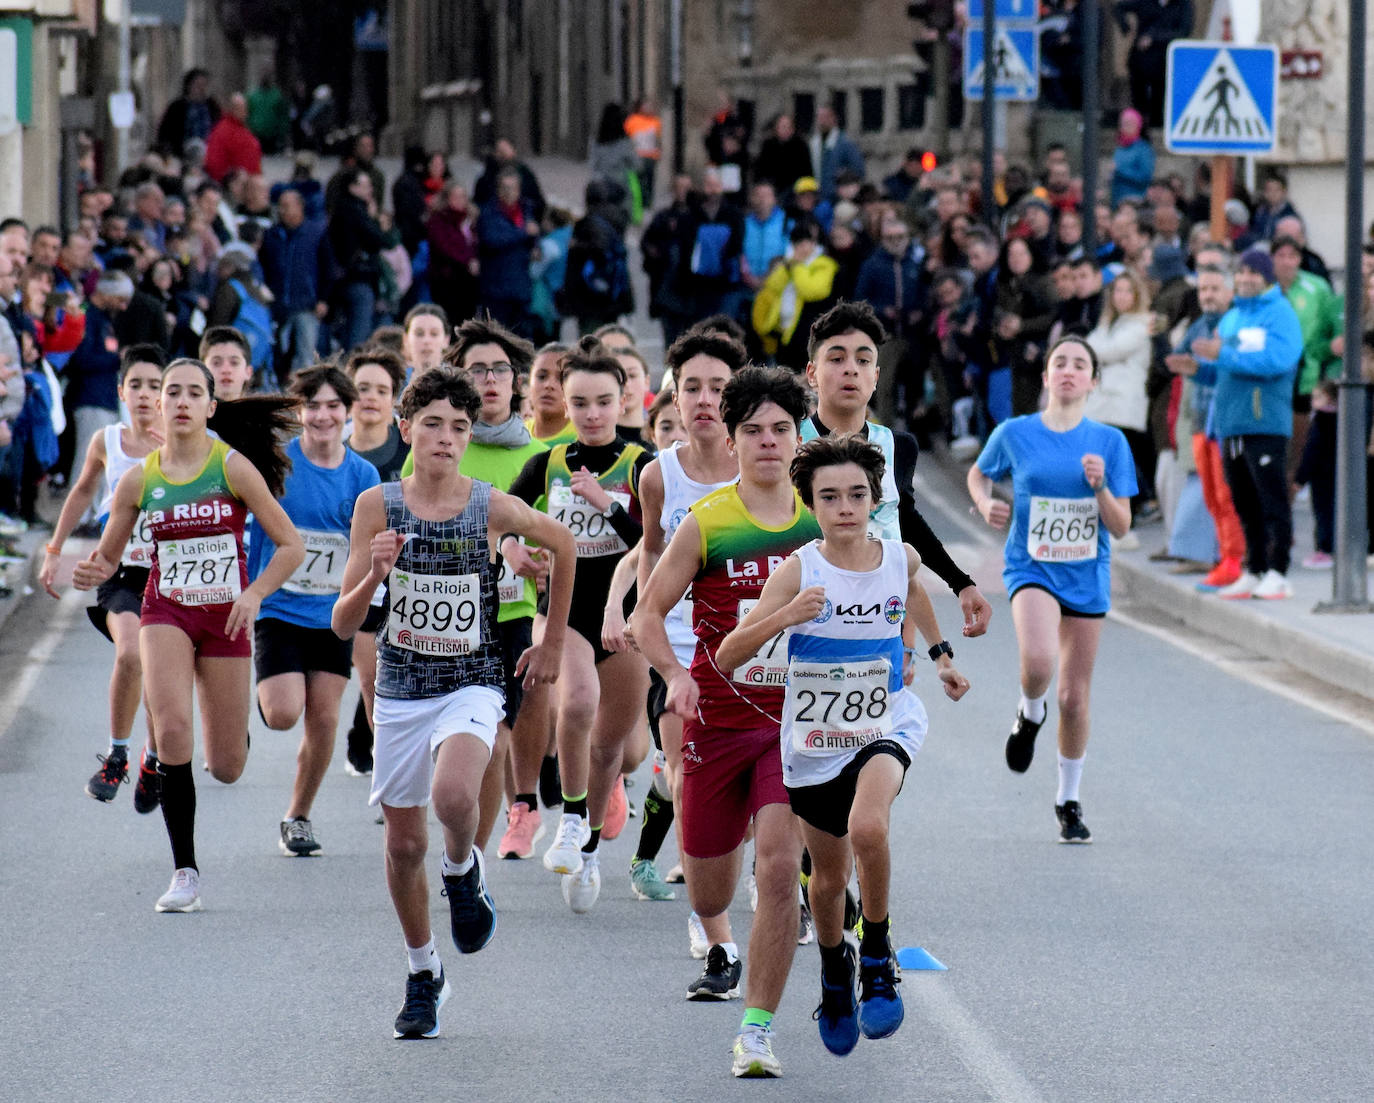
{"x": 645, "y": 129}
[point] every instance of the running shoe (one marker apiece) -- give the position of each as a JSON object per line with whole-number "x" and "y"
{"x": 550, "y": 784}
{"x": 838, "y": 1012}
{"x": 419, "y": 1016}
{"x": 298, "y": 838}
{"x": 565, "y": 856}
{"x": 646, "y": 883}
{"x": 853, "y": 913}
{"x": 1021, "y": 742}
{"x": 880, "y": 1007}
{"x": 1273, "y": 587}
{"x": 617, "y": 810}
{"x": 183, "y": 894}
{"x": 113, "y": 772}
{"x": 719, "y": 980}
{"x": 1318, "y": 561}
{"x": 148, "y": 788}
{"x": 1220, "y": 576}
{"x": 675, "y": 875}
{"x": 754, "y": 1054}
{"x": 697, "y": 942}
{"x": 752, "y": 884}
{"x": 1072, "y": 829}
{"x": 358, "y": 763}
{"x": 1241, "y": 588}
{"x": 806, "y": 926}
{"x": 472, "y": 912}
{"x": 524, "y": 828}
{"x": 581, "y": 889}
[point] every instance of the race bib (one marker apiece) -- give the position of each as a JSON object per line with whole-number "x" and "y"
{"x": 510, "y": 587}
{"x": 203, "y": 570}
{"x": 769, "y": 666}
{"x": 838, "y": 707}
{"x": 435, "y": 614}
{"x": 138, "y": 552}
{"x": 1062, "y": 530}
{"x": 322, "y": 569}
{"x": 591, "y": 529}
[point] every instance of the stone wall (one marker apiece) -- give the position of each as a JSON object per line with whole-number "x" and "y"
{"x": 1312, "y": 113}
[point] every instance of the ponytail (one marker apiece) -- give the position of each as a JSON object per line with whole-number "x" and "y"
{"x": 258, "y": 426}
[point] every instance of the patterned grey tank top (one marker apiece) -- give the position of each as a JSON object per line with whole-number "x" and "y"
{"x": 440, "y": 632}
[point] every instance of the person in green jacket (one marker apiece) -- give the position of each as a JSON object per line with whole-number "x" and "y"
{"x": 1320, "y": 312}
{"x": 269, "y": 115}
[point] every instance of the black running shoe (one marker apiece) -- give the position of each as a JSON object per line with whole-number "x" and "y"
{"x": 148, "y": 788}
{"x": 720, "y": 979}
{"x": 298, "y": 838}
{"x": 358, "y": 762}
{"x": 113, "y": 772}
{"x": 419, "y": 1017}
{"x": 472, "y": 912}
{"x": 550, "y": 783}
{"x": 1021, "y": 743}
{"x": 1072, "y": 829}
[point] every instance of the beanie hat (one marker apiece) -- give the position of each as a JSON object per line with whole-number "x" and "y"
{"x": 1259, "y": 262}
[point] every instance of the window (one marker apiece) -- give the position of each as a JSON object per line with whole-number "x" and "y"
{"x": 839, "y": 100}
{"x": 803, "y": 112}
{"x": 515, "y": 22}
{"x": 911, "y": 107}
{"x": 870, "y": 110}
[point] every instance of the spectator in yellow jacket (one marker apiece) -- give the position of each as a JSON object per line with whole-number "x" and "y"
{"x": 799, "y": 288}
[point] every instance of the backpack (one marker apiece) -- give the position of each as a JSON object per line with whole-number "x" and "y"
{"x": 254, "y": 321}
{"x": 599, "y": 278}
{"x": 33, "y": 428}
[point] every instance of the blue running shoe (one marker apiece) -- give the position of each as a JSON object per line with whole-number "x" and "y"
{"x": 838, "y": 1013}
{"x": 880, "y": 1008}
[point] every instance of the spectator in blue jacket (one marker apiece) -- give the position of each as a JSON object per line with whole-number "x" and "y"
{"x": 1133, "y": 161}
{"x": 765, "y": 234}
{"x": 92, "y": 371}
{"x": 832, "y": 150}
{"x": 891, "y": 281}
{"x": 295, "y": 260}
{"x": 507, "y": 233}
{"x": 1252, "y": 362}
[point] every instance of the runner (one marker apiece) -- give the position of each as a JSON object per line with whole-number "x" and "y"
{"x": 725, "y": 549}
{"x": 843, "y": 370}
{"x": 119, "y": 600}
{"x": 379, "y": 376}
{"x": 1073, "y": 479}
{"x": 427, "y": 337}
{"x": 630, "y": 425}
{"x": 550, "y": 424}
{"x": 700, "y": 365}
{"x": 228, "y": 355}
{"x": 665, "y": 426}
{"x": 592, "y": 486}
{"x": 302, "y": 666}
{"x": 440, "y": 675}
{"x": 853, "y": 607}
{"x": 198, "y": 607}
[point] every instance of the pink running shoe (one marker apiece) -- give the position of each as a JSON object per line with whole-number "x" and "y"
{"x": 524, "y": 828}
{"x": 617, "y": 811}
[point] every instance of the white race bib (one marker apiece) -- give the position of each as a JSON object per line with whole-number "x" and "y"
{"x": 769, "y": 666}
{"x": 138, "y": 552}
{"x": 838, "y": 707}
{"x": 322, "y": 569}
{"x": 435, "y": 614}
{"x": 591, "y": 528}
{"x": 203, "y": 570}
{"x": 510, "y": 587}
{"x": 1062, "y": 530}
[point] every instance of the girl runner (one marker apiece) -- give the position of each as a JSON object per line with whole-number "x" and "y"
{"x": 1073, "y": 479}
{"x": 119, "y": 600}
{"x": 198, "y": 607}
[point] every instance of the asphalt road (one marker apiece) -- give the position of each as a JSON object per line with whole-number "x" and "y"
{"x": 1211, "y": 945}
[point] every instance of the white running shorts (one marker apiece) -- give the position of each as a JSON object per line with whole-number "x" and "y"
{"x": 409, "y": 733}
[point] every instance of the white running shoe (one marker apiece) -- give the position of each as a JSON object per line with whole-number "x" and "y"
{"x": 581, "y": 889}
{"x": 1129, "y": 542}
{"x": 565, "y": 856}
{"x": 183, "y": 894}
{"x": 696, "y": 937}
{"x": 1272, "y": 587}
{"x": 752, "y": 883}
{"x": 1241, "y": 589}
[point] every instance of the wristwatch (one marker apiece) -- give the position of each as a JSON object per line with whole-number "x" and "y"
{"x": 941, "y": 648}
{"x": 609, "y": 511}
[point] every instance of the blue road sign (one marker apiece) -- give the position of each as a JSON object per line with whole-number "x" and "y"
{"x": 1221, "y": 98}
{"x": 1016, "y": 56}
{"x": 1023, "y": 11}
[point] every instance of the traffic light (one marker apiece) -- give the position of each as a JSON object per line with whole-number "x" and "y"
{"x": 937, "y": 15}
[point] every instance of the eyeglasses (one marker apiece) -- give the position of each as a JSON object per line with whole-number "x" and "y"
{"x": 491, "y": 371}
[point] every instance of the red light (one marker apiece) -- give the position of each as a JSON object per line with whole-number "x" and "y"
{"x": 928, "y": 161}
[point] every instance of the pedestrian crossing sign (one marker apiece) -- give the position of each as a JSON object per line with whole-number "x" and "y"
{"x": 1016, "y": 54}
{"x": 1221, "y": 98}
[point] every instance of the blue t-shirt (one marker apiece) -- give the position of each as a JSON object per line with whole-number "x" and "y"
{"x": 1057, "y": 540}
{"x": 319, "y": 501}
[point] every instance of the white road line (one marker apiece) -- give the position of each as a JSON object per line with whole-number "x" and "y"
{"x": 40, "y": 654}
{"x": 1246, "y": 671}
{"x": 976, "y": 1050}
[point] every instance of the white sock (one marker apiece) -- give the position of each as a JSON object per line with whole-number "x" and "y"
{"x": 1034, "y": 708}
{"x": 457, "y": 869}
{"x": 1070, "y": 772}
{"x": 731, "y": 950}
{"x": 426, "y": 957}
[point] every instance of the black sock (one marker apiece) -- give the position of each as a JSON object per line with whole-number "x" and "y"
{"x": 832, "y": 960}
{"x": 658, "y": 821}
{"x": 360, "y": 734}
{"x": 874, "y": 941}
{"x": 179, "y": 813}
{"x": 806, "y": 863}
{"x": 529, "y": 800}
{"x": 575, "y": 807}
{"x": 589, "y": 847}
